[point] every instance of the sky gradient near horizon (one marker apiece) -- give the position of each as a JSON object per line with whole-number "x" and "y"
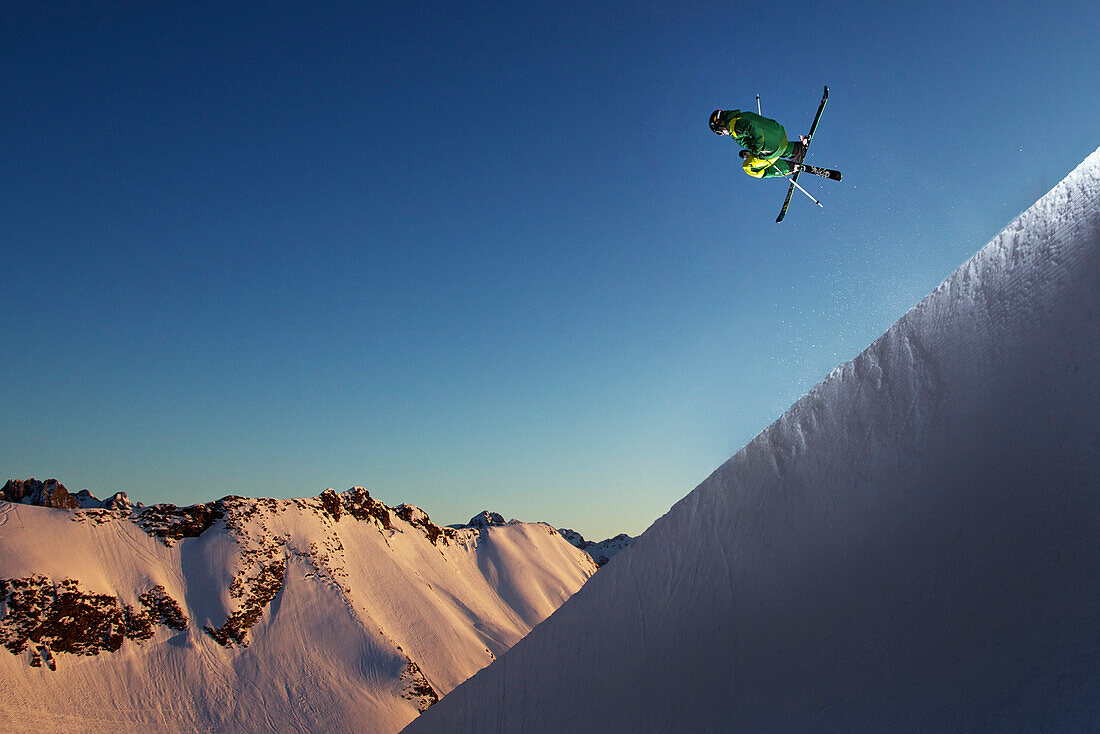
{"x": 484, "y": 255}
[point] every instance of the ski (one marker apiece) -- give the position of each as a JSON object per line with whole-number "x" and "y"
{"x": 809, "y": 138}
{"x": 817, "y": 171}
{"x": 797, "y": 167}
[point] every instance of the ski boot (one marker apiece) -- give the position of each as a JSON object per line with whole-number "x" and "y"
{"x": 800, "y": 153}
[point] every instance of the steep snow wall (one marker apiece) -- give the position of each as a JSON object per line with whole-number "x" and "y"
{"x": 913, "y": 546}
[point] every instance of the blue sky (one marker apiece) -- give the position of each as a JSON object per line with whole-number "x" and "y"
{"x": 483, "y": 255}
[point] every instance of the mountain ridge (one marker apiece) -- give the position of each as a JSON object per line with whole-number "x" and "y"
{"x": 332, "y": 611}
{"x": 601, "y": 551}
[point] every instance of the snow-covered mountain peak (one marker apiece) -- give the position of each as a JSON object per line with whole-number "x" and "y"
{"x": 336, "y": 612}
{"x": 486, "y": 519}
{"x": 601, "y": 551}
{"x": 50, "y": 493}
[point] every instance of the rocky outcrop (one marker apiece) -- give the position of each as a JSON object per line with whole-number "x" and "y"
{"x": 50, "y": 493}
{"x": 49, "y": 618}
{"x": 417, "y": 688}
{"x": 172, "y": 524}
{"x": 255, "y": 594}
{"x": 118, "y": 502}
{"x": 358, "y": 503}
{"x": 163, "y": 609}
{"x": 486, "y": 519}
{"x": 416, "y": 517}
{"x": 601, "y": 552}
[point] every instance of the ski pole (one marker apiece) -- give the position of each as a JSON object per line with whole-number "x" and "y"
{"x": 758, "y": 105}
{"x": 807, "y": 193}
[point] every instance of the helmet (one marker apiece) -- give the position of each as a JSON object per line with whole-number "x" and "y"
{"x": 715, "y": 123}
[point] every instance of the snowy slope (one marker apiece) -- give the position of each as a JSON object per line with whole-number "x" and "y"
{"x": 334, "y": 613}
{"x": 912, "y": 547}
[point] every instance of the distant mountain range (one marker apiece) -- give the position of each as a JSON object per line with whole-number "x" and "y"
{"x": 601, "y": 552}
{"x": 331, "y": 613}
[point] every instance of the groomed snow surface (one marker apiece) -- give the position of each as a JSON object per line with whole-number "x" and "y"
{"x": 914, "y": 546}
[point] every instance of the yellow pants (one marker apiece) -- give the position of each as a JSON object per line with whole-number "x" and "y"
{"x": 764, "y": 168}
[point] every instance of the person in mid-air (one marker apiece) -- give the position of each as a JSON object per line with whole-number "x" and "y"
{"x": 767, "y": 149}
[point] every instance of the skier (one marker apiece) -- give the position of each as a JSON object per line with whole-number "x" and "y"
{"x": 764, "y": 140}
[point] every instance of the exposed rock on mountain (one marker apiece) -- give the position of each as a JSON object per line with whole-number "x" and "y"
{"x": 486, "y": 519}
{"x": 62, "y": 618}
{"x": 50, "y": 493}
{"x": 601, "y": 552}
{"x": 118, "y": 502}
{"x": 335, "y": 612}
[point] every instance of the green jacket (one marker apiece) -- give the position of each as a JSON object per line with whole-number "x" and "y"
{"x": 761, "y": 136}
